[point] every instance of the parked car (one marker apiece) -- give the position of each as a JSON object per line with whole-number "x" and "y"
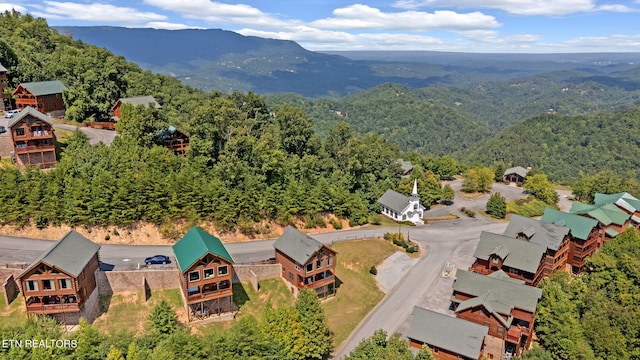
{"x": 10, "y": 113}
{"x": 2, "y": 129}
{"x": 157, "y": 259}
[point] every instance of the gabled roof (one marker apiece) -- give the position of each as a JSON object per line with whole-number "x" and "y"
{"x": 297, "y": 245}
{"x": 446, "y": 332}
{"x": 29, "y": 111}
{"x": 515, "y": 253}
{"x": 69, "y": 254}
{"x": 507, "y": 294}
{"x": 547, "y": 234}
{"x": 492, "y": 304}
{"x": 580, "y": 226}
{"x": 43, "y": 87}
{"x": 606, "y": 214}
{"x": 140, "y": 100}
{"x": 394, "y": 201}
{"x": 195, "y": 244}
{"x": 518, "y": 170}
{"x": 623, "y": 199}
{"x": 405, "y": 165}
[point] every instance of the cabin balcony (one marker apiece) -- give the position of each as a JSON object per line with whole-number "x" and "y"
{"x": 33, "y": 148}
{"x": 209, "y": 291}
{"x": 317, "y": 280}
{"x": 52, "y": 304}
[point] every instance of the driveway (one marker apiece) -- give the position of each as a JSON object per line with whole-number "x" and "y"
{"x": 95, "y": 135}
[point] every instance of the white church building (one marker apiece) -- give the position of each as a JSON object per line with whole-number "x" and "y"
{"x": 403, "y": 208}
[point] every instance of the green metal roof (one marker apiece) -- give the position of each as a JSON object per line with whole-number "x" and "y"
{"x": 195, "y": 244}
{"x": 606, "y": 213}
{"x": 447, "y": 332}
{"x": 611, "y": 232}
{"x": 623, "y": 199}
{"x": 297, "y": 245}
{"x": 505, "y": 294}
{"x": 69, "y": 254}
{"x": 45, "y": 87}
{"x": 515, "y": 253}
{"x": 29, "y": 111}
{"x": 580, "y": 226}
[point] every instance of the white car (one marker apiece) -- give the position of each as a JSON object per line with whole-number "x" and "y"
{"x": 10, "y": 113}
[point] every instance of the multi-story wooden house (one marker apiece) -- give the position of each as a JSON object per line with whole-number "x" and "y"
{"x": 33, "y": 138}
{"x": 4, "y": 85}
{"x": 206, "y": 273}
{"x": 61, "y": 282}
{"x": 612, "y": 220}
{"x": 146, "y": 101}
{"x": 173, "y": 140}
{"x": 447, "y": 337}
{"x": 625, "y": 201}
{"x": 585, "y": 235}
{"x": 506, "y": 305}
{"x": 518, "y": 258}
{"x": 44, "y": 96}
{"x": 306, "y": 262}
{"x": 556, "y": 240}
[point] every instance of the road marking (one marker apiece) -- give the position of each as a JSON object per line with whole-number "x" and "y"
{"x": 126, "y": 259}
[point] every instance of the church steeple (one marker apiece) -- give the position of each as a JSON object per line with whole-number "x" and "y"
{"x": 414, "y": 193}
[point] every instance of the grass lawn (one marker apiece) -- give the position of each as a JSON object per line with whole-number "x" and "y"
{"x": 358, "y": 292}
{"x": 128, "y": 311}
{"x": 252, "y": 303}
{"x": 14, "y": 314}
{"x": 528, "y": 207}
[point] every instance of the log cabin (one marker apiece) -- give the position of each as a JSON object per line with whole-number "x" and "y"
{"x": 515, "y": 174}
{"x": 61, "y": 282}
{"x": 586, "y": 235}
{"x": 146, "y": 101}
{"x": 33, "y": 139}
{"x": 447, "y": 337}
{"x": 206, "y": 273}
{"x": 44, "y": 96}
{"x": 306, "y": 262}
{"x": 506, "y": 305}
{"x": 174, "y": 140}
{"x": 518, "y": 258}
{"x": 555, "y": 239}
{"x": 612, "y": 220}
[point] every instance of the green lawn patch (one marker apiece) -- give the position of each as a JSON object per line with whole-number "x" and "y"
{"x": 13, "y": 314}
{"x": 128, "y": 311}
{"x": 358, "y": 292}
{"x": 528, "y": 207}
{"x": 252, "y": 303}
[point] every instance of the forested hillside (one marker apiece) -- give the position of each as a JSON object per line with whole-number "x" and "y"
{"x": 564, "y": 147}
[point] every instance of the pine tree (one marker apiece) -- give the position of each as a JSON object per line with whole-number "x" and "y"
{"x": 314, "y": 325}
{"x": 496, "y": 206}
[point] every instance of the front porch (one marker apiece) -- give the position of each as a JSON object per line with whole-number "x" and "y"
{"x": 52, "y": 304}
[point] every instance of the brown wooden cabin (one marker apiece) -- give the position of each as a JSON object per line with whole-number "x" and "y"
{"x": 146, "y": 101}
{"x": 554, "y": 238}
{"x": 507, "y": 306}
{"x": 44, "y": 96}
{"x": 4, "y": 85}
{"x": 33, "y": 138}
{"x": 625, "y": 202}
{"x": 586, "y": 236}
{"x": 518, "y": 258}
{"x": 206, "y": 274}
{"x": 61, "y": 282}
{"x": 306, "y": 262}
{"x": 515, "y": 174}
{"x": 447, "y": 337}
{"x": 173, "y": 140}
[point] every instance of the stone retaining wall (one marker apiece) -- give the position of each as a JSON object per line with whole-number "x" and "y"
{"x": 110, "y": 282}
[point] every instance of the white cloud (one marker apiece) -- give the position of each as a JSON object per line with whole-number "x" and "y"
{"x": 365, "y": 17}
{"x": 96, "y": 12}
{"x": 9, "y": 7}
{"x": 169, "y": 26}
{"x": 519, "y": 7}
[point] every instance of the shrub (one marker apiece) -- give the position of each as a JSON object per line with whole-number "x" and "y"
{"x": 469, "y": 213}
{"x": 337, "y": 224}
{"x": 107, "y": 237}
{"x": 375, "y": 219}
{"x": 496, "y": 206}
{"x": 373, "y": 270}
{"x": 41, "y": 222}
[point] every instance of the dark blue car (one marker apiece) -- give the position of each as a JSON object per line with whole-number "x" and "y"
{"x": 158, "y": 259}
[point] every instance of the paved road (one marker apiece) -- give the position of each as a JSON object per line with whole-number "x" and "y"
{"x": 445, "y": 241}
{"x": 95, "y": 135}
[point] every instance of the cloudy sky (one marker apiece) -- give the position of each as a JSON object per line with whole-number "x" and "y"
{"x": 522, "y": 26}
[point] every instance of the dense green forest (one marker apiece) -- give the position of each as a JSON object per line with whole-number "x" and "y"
{"x": 246, "y": 163}
{"x": 566, "y": 147}
{"x": 294, "y": 333}
{"x": 595, "y": 316}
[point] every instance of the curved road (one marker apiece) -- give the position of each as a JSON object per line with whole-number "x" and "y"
{"x": 95, "y": 135}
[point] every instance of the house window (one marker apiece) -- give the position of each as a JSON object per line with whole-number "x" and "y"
{"x": 310, "y": 267}
{"x": 404, "y": 217}
{"x": 318, "y": 264}
{"x": 64, "y": 283}
{"x": 32, "y": 285}
{"x": 329, "y": 260}
{"x": 495, "y": 260}
{"x": 209, "y": 273}
{"x": 47, "y": 284}
{"x": 415, "y": 206}
{"x": 223, "y": 270}
{"x": 20, "y": 132}
{"x": 290, "y": 276}
{"x": 297, "y": 267}
{"x": 194, "y": 275}
{"x": 500, "y": 330}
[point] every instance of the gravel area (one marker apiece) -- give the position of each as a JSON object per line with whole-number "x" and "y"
{"x": 392, "y": 269}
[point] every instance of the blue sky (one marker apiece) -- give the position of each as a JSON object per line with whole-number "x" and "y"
{"x": 518, "y": 26}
